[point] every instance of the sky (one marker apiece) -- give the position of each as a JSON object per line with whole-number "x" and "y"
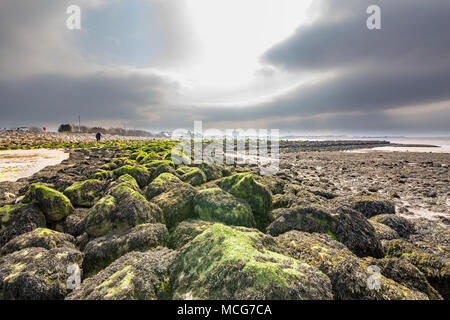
{"x": 309, "y": 67}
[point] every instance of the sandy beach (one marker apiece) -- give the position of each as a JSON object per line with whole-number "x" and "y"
{"x": 16, "y": 164}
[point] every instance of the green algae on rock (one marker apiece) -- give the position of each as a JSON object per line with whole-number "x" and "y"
{"x": 40, "y": 237}
{"x": 258, "y": 196}
{"x": 100, "y": 252}
{"x": 163, "y": 183}
{"x": 186, "y": 231}
{"x": 348, "y": 273}
{"x": 345, "y": 225}
{"x": 85, "y": 193}
{"x": 176, "y": 204}
{"x": 54, "y": 204}
{"x": 140, "y": 173}
{"x": 134, "y": 276}
{"x": 227, "y": 262}
{"x": 123, "y": 209}
{"x": 217, "y": 205}
{"x": 19, "y": 219}
{"x": 37, "y": 273}
{"x": 194, "y": 176}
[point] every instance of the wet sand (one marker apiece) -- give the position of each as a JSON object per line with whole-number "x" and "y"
{"x": 16, "y": 164}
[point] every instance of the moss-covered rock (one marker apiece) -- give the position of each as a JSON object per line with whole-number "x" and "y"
{"x": 371, "y": 206}
{"x": 345, "y": 225}
{"x": 140, "y": 173}
{"x": 41, "y": 238}
{"x": 156, "y": 163}
{"x": 308, "y": 219}
{"x": 176, "y": 204}
{"x": 283, "y": 201}
{"x": 217, "y": 205}
{"x": 163, "y": 183}
{"x": 121, "y": 210}
{"x": 85, "y": 193}
{"x": 37, "y": 273}
{"x": 134, "y": 276}
{"x": 103, "y": 175}
{"x": 227, "y": 262}
{"x": 349, "y": 274}
{"x": 100, "y": 252}
{"x": 194, "y": 177}
{"x": 212, "y": 171}
{"x": 258, "y": 196}
{"x": 186, "y": 231}
{"x": 124, "y": 181}
{"x": 19, "y": 219}
{"x": 55, "y": 205}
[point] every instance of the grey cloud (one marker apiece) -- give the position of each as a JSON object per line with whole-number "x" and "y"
{"x": 97, "y": 96}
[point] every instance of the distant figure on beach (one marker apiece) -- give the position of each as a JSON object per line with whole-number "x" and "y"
{"x": 98, "y": 136}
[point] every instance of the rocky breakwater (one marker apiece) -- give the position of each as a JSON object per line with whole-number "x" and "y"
{"x": 138, "y": 226}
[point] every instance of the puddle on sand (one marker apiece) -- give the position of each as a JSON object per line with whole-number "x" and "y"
{"x": 17, "y": 164}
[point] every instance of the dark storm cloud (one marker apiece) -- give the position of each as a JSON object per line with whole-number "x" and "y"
{"x": 406, "y": 63}
{"x": 99, "y": 96}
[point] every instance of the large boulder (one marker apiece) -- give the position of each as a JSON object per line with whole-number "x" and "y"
{"x": 73, "y": 224}
{"x": 176, "y": 204}
{"x": 124, "y": 180}
{"x": 405, "y": 273}
{"x": 431, "y": 237}
{"x": 383, "y": 232}
{"x": 140, "y": 173}
{"x": 85, "y": 193}
{"x": 371, "y": 206}
{"x": 217, "y": 205}
{"x": 194, "y": 176}
{"x": 40, "y": 238}
{"x": 235, "y": 263}
{"x": 134, "y": 276}
{"x": 357, "y": 233}
{"x": 350, "y": 276}
{"x": 258, "y": 196}
{"x": 121, "y": 210}
{"x": 308, "y": 219}
{"x": 186, "y": 231}
{"x": 19, "y": 219}
{"x": 401, "y": 225}
{"x": 55, "y": 205}
{"x": 38, "y": 273}
{"x": 211, "y": 171}
{"x": 163, "y": 183}
{"x": 345, "y": 225}
{"x": 100, "y": 252}
{"x": 435, "y": 267}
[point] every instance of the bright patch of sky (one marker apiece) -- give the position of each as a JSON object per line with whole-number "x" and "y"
{"x": 229, "y": 38}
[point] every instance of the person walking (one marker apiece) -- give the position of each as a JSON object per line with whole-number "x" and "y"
{"x": 98, "y": 136}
